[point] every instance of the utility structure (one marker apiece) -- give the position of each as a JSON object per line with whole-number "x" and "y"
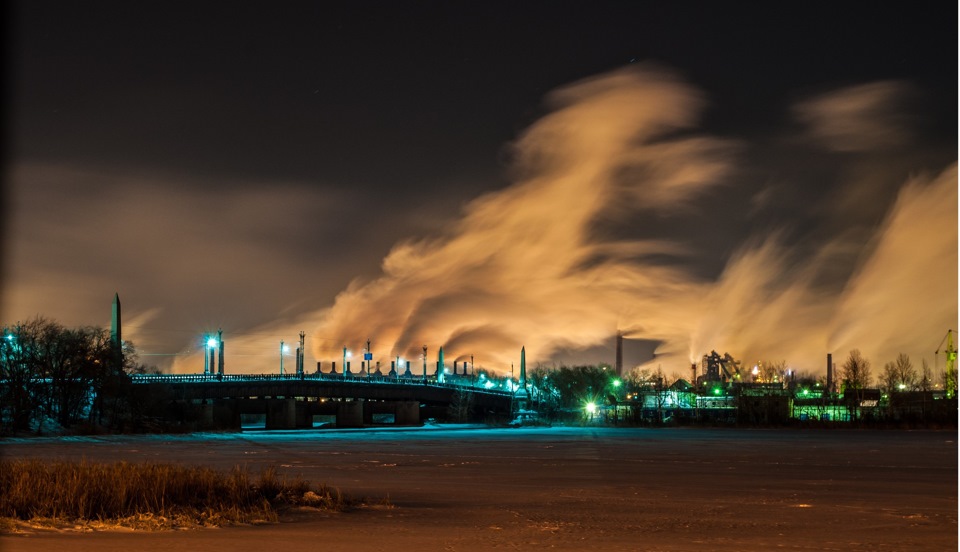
{"x": 346, "y": 365}
{"x": 713, "y": 364}
{"x": 366, "y": 367}
{"x": 211, "y": 347}
{"x": 220, "y": 357}
{"x": 950, "y": 368}
{"x": 300, "y": 355}
{"x": 440, "y": 369}
{"x": 424, "y": 363}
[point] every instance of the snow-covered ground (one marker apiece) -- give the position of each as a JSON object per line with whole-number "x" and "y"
{"x": 474, "y": 488}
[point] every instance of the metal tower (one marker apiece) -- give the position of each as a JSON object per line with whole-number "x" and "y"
{"x": 950, "y": 370}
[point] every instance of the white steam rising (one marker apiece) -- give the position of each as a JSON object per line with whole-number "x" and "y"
{"x": 526, "y": 266}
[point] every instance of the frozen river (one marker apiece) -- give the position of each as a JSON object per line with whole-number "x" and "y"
{"x": 564, "y": 488}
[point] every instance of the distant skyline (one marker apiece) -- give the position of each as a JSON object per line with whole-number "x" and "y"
{"x": 777, "y": 181}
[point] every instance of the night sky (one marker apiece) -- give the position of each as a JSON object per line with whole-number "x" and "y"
{"x": 775, "y": 180}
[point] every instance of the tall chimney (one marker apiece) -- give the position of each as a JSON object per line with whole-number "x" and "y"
{"x": 829, "y": 373}
{"x": 619, "y": 354}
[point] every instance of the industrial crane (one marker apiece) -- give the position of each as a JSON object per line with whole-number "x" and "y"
{"x": 950, "y": 370}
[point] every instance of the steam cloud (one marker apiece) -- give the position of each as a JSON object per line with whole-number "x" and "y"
{"x": 622, "y": 216}
{"x": 532, "y": 264}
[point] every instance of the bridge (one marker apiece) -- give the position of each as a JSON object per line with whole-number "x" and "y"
{"x": 295, "y": 401}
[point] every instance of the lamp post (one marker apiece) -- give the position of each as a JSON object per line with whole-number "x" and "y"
{"x": 283, "y": 349}
{"x": 208, "y": 365}
{"x": 616, "y": 400}
{"x": 368, "y": 357}
{"x": 346, "y": 353}
{"x": 424, "y": 363}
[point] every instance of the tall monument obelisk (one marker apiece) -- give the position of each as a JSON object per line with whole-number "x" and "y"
{"x": 116, "y": 339}
{"x": 521, "y": 396}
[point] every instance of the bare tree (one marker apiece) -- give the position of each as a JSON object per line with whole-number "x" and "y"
{"x": 543, "y": 393}
{"x": 459, "y": 409}
{"x": 926, "y": 377}
{"x": 58, "y": 373}
{"x": 660, "y": 386}
{"x": 898, "y": 375}
{"x": 770, "y": 371}
{"x": 19, "y": 371}
{"x": 888, "y": 379}
{"x": 855, "y": 371}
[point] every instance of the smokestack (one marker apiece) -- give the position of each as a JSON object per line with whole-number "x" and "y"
{"x": 619, "y": 353}
{"x": 300, "y": 350}
{"x": 440, "y": 366}
{"x": 829, "y": 373}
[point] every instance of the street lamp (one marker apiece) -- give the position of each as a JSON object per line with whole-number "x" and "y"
{"x": 283, "y": 349}
{"x": 591, "y": 409}
{"x": 208, "y": 365}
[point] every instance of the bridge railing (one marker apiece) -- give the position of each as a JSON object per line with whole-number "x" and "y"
{"x": 355, "y": 379}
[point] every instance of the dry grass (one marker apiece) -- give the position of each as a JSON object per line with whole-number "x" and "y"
{"x": 148, "y": 495}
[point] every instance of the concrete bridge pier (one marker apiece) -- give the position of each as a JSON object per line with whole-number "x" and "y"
{"x": 281, "y": 414}
{"x": 350, "y": 414}
{"x": 205, "y": 417}
{"x": 226, "y": 414}
{"x": 408, "y": 413}
{"x": 304, "y": 416}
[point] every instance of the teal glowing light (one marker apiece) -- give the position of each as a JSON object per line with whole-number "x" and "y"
{"x": 212, "y": 343}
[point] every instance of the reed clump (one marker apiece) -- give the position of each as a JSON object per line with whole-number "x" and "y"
{"x": 150, "y": 494}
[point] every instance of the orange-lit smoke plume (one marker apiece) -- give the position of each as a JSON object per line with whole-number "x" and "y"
{"x": 526, "y": 265}
{"x": 521, "y": 267}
